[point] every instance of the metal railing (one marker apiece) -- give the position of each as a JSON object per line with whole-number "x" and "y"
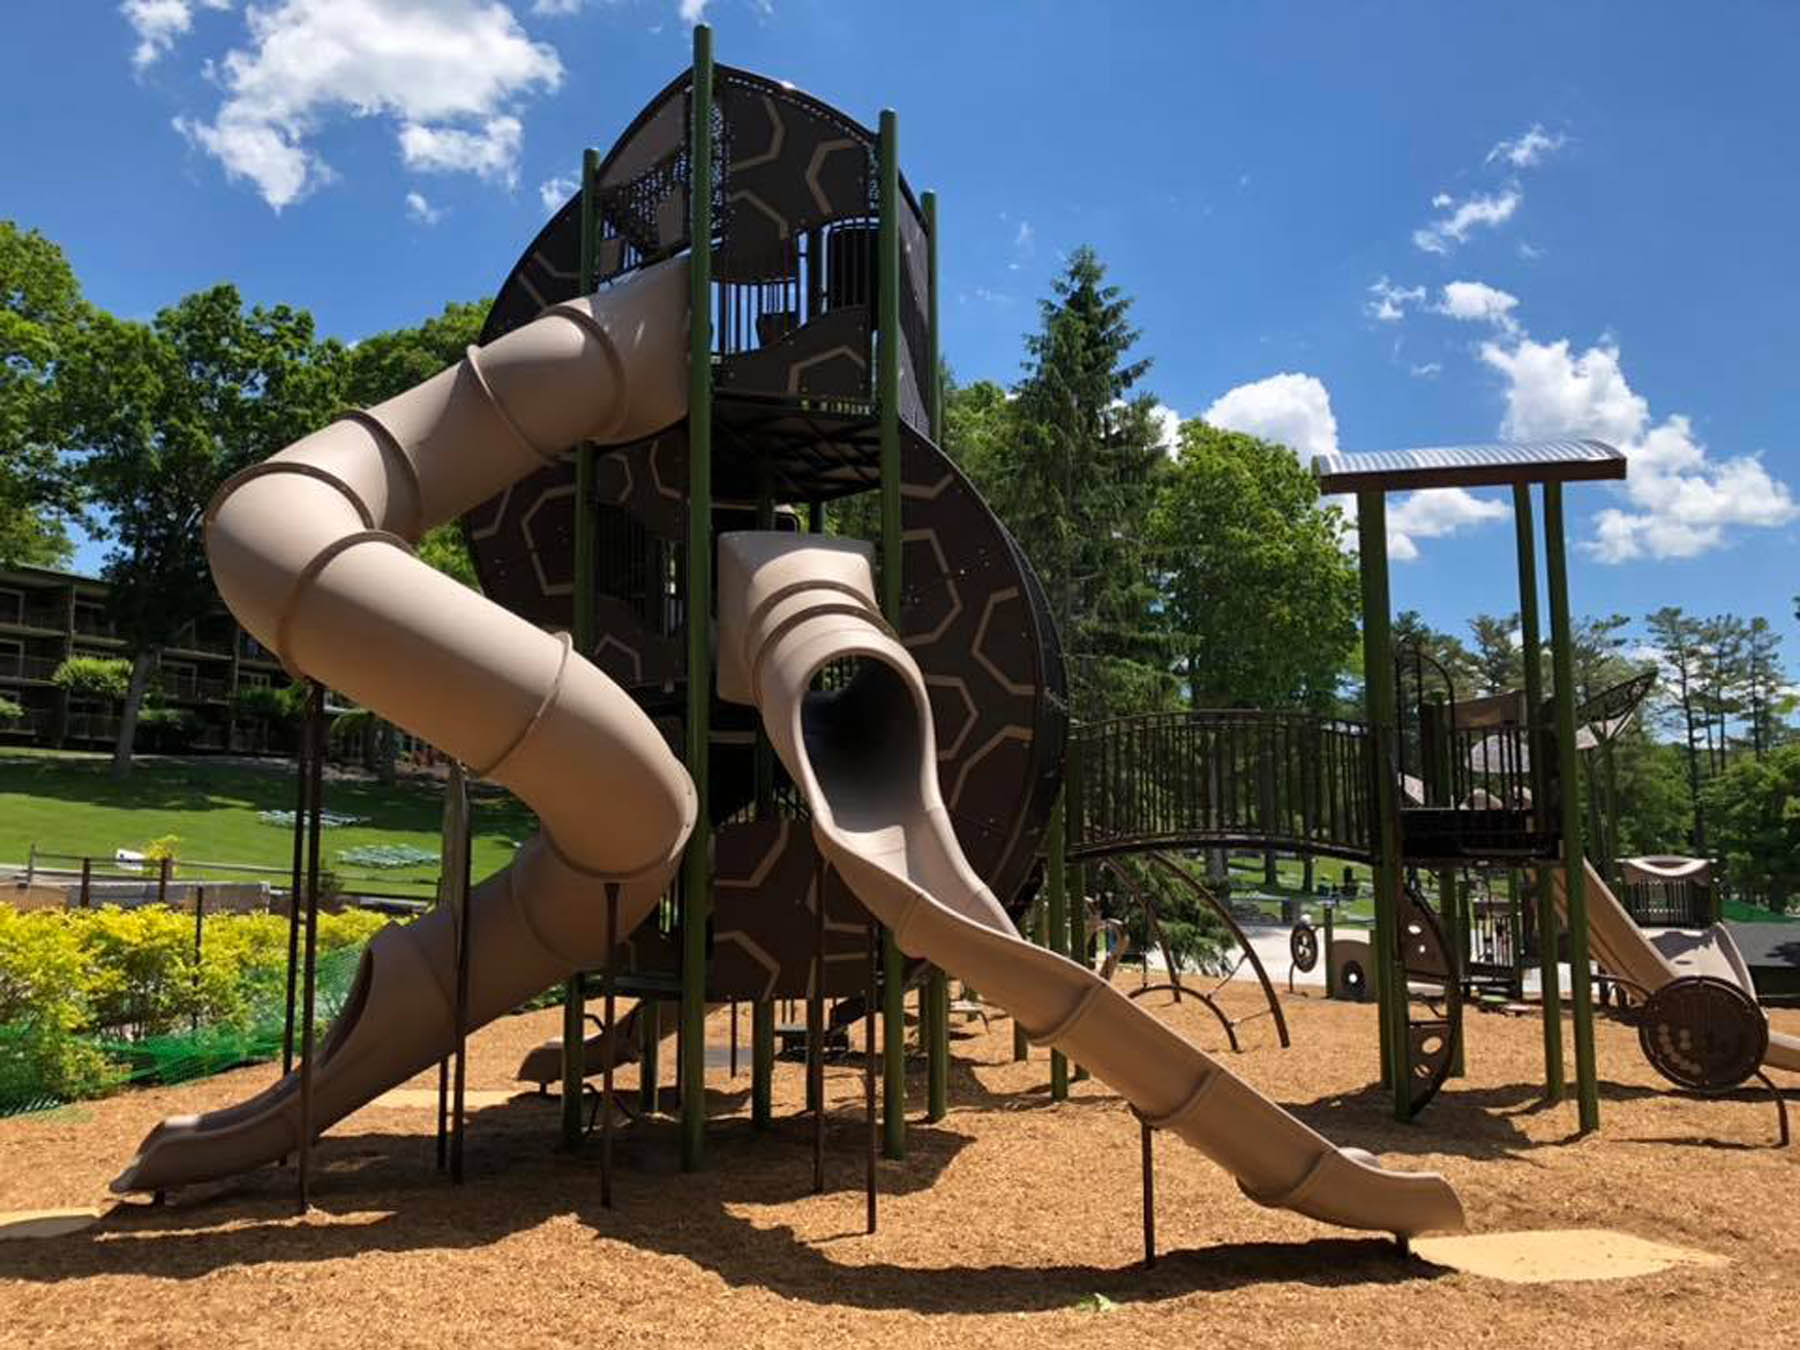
{"x": 1669, "y": 904}
{"x": 1291, "y": 781}
{"x": 25, "y": 666}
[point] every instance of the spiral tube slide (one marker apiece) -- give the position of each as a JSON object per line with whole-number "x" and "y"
{"x": 311, "y": 551}
{"x": 791, "y": 607}
{"x": 1620, "y": 946}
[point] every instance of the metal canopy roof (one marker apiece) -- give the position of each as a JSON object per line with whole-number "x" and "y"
{"x": 1468, "y": 466}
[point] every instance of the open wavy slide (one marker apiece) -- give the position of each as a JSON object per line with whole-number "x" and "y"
{"x": 311, "y": 550}
{"x": 1623, "y": 948}
{"x": 790, "y": 608}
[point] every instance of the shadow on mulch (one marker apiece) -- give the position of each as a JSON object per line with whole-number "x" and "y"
{"x": 378, "y": 1191}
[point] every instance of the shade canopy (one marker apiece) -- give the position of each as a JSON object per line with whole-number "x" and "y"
{"x": 1493, "y": 465}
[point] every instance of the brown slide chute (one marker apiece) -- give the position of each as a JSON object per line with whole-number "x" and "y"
{"x": 791, "y": 608}
{"x": 312, "y": 552}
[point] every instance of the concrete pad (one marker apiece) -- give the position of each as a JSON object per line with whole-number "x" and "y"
{"x": 46, "y": 1223}
{"x": 1558, "y": 1255}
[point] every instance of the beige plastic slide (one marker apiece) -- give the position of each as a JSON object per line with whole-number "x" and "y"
{"x": 1623, "y": 948}
{"x": 795, "y": 610}
{"x": 311, "y": 550}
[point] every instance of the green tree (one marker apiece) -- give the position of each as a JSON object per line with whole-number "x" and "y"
{"x": 159, "y": 415}
{"x": 1075, "y": 481}
{"x": 1259, "y": 591}
{"x": 1754, "y": 812}
{"x": 1411, "y": 632}
{"x": 41, "y": 311}
{"x": 1499, "y": 662}
{"x": 388, "y": 364}
{"x": 1678, "y": 638}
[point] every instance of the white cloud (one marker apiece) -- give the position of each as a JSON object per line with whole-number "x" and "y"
{"x": 1442, "y": 200}
{"x": 158, "y": 23}
{"x": 1680, "y": 500}
{"x": 692, "y": 11}
{"x": 1292, "y": 409}
{"x": 420, "y": 210}
{"x": 448, "y": 72}
{"x": 1426, "y": 370}
{"x": 1491, "y": 210}
{"x": 1530, "y": 252}
{"x": 490, "y": 151}
{"x": 1390, "y": 302}
{"x": 1529, "y": 149}
{"x": 1024, "y": 237}
{"x": 1435, "y": 513}
{"x": 556, "y": 6}
{"x": 1478, "y": 302}
{"x": 553, "y": 192}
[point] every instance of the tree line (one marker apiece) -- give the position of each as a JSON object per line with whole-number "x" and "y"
{"x": 1206, "y": 573}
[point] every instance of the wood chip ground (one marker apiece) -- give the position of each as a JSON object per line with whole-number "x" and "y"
{"x": 1013, "y": 1222}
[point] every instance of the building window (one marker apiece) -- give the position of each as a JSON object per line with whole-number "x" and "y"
{"x": 12, "y": 657}
{"x": 12, "y": 606}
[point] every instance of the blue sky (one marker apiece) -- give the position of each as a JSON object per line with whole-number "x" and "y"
{"x": 1345, "y": 224}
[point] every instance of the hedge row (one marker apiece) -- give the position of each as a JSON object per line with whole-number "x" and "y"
{"x": 87, "y": 995}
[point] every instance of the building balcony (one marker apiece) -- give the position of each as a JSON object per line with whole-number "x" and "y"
{"x": 27, "y": 668}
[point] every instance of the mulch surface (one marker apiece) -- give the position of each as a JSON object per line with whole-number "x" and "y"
{"x": 1014, "y": 1221}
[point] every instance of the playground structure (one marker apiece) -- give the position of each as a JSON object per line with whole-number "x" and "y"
{"x": 874, "y": 744}
{"x": 921, "y": 734}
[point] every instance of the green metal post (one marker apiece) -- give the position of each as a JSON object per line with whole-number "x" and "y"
{"x": 1056, "y": 921}
{"x": 1378, "y": 689}
{"x": 762, "y": 1062}
{"x": 649, "y": 1055}
{"x": 1536, "y": 885}
{"x": 574, "y": 1004}
{"x": 887, "y": 399}
{"x": 1075, "y": 947}
{"x": 696, "y": 876}
{"x": 1562, "y": 656}
{"x": 936, "y": 1024}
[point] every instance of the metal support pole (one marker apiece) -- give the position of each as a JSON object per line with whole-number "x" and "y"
{"x": 465, "y": 946}
{"x": 649, "y": 1055}
{"x": 301, "y": 789}
{"x": 1562, "y": 655}
{"x": 315, "y": 732}
{"x": 815, "y": 1026}
{"x": 887, "y": 398}
{"x": 1378, "y": 686}
{"x": 869, "y": 1071}
{"x": 574, "y": 1029}
{"x": 199, "y": 942}
{"x": 1532, "y": 651}
{"x": 762, "y": 1063}
{"x": 1149, "y": 1164}
{"x": 935, "y": 1024}
{"x": 162, "y": 881}
{"x": 609, "y": 1011}
{"x": 1330, "y": 975}
{"x": 1056, "y": 920}
{"x": 696, "y": 889}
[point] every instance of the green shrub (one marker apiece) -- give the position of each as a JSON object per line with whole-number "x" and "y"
{"x": 10, "y": 711}
{"x": 70, "y": 977}
{"x": 267, "y": 704}
{"x": 99, "y": 676}
{"x": 165, "y": 731}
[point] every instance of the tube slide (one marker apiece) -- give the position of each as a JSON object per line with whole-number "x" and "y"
{"x": 311, "y": 551}
{"x": 793, "y": 608}
{"x": 1623, "y": 948}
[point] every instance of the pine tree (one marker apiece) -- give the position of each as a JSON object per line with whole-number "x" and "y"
{"x": 1076, "y": 487}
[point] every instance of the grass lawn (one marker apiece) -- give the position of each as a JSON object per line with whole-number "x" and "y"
{"x": 67, "y": 802}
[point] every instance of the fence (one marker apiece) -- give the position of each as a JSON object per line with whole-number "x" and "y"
{"x": 171, "y": 880}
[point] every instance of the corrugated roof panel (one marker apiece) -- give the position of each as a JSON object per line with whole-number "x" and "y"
{"x": 1469, "y": 465}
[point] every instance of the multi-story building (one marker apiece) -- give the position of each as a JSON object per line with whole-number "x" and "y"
{"x": 48, "y": 616}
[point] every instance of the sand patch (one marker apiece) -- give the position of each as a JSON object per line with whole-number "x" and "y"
{"x": 1557, "y": 1255}
{"x": 46, "y": 1223}
{"x": 426, "y": 1099}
